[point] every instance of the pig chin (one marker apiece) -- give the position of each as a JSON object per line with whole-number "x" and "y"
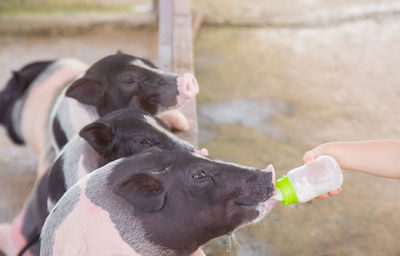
{"x": 255, "y": 213}
{"x": 264, "y": 209}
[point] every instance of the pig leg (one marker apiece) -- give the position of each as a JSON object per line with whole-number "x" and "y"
{"x": 174, "y": 120}
{"x": 11, "y": 238}
{"x": 5, "y": 229}
{"x": 27, "y": 225}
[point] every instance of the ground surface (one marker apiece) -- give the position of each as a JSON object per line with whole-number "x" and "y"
{"x": 268, "y": 94}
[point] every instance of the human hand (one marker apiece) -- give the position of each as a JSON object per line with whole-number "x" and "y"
{"x": 309, "y": 158}
{"x": 332, "y": 193}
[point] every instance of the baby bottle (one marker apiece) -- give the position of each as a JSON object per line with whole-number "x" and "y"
{"x": 308, "y": 181}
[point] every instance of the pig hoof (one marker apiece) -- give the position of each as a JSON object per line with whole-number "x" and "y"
{"x": 175, "y": 120}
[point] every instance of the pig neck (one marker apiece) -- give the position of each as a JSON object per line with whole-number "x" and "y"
{"x": 72, "y": 115}
{"x": 79, "y": 160}
{"x": 187, "y": 240}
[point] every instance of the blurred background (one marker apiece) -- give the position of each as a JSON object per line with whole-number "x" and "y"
{"x": 277, "y": 78}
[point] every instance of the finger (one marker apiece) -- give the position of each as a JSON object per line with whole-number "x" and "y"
{"x": 335, "y": 192}
{"x": 309, "y": 157}
{"x": 323, "y": 196}
{"x": 204, "y": 151}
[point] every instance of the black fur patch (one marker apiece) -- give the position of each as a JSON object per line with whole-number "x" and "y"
{"x": 35, "y": 215}
{"x": 56, "y": 181}
{"x": 14, "y": 90}
{"x": 59, "y": 134}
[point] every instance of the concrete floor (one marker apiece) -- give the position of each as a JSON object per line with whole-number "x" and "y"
{"x": 336, "y": 81}
{"x": 340, "y": 83}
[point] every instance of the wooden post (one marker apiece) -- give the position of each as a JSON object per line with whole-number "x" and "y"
{"x": 175, "y": 51}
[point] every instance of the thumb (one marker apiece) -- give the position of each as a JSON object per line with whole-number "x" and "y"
{"x": 309, "y": 157}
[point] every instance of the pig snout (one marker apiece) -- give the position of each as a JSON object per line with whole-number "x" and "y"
{"x": 257, "y": 188}
{"x": 270, "y": 203}
{"x": 263, "y": 184}
{"x": 270, "y": 169}
{"x": 187, "y": 86}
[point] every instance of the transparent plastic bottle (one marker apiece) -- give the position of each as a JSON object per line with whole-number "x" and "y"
{"x": 308, "y": 181}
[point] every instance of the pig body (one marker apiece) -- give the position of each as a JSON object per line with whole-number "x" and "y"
{"x": 14, "y": 90}
{"x": 30, "y": 97}
{"x": 118, "y": 134}
{"x": 46, "y": 119}
{"x": 155, "y": 203}
{"x": 26, "y": 103}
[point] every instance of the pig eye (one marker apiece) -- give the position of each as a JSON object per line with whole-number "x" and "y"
{"x": 130, "y": 85}
{"x": 199, "y": 176}
{"x": 129, "y": 81}
{"x": 153, "y": 99}
{"x": 144, "y": 142}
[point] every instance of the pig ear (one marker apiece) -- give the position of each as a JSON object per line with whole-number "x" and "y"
{"x": 99, "y": 136}
{"x": 143, "y": 192}
{"x": 86, "y": 91}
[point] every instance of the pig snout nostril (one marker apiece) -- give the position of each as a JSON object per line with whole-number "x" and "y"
{"x": 267, "y": 193}
{"x": 191, "y": 87}
{"x": 270, "y": 191}
{"x": 187, "y": 87}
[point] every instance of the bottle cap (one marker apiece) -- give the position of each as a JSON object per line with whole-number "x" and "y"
{"x": 286, "y": 187}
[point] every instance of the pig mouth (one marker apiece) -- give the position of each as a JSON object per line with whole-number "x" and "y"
{"x": 264, "y": 209}
{"x": 263, "y": 206}
{"x": 247, "y": 205}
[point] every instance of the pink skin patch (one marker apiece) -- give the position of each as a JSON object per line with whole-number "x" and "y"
{"x": 38, "y": 106}
{"x": 188, "y": 88}
{"x": 11, "y": 238}
{"x": 89, "y": 231}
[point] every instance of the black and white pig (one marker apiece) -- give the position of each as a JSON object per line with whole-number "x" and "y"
{"x": 45, "y": 118}
{"x": 14, "y": 90}
{"x": 156, "y": 203}
{"x": 27, "y": 100}
{"x": 116, "y": 82}
{"x": 118, "y": 134}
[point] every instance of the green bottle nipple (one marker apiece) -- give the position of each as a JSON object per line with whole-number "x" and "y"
{"x": 286, "y": 188}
